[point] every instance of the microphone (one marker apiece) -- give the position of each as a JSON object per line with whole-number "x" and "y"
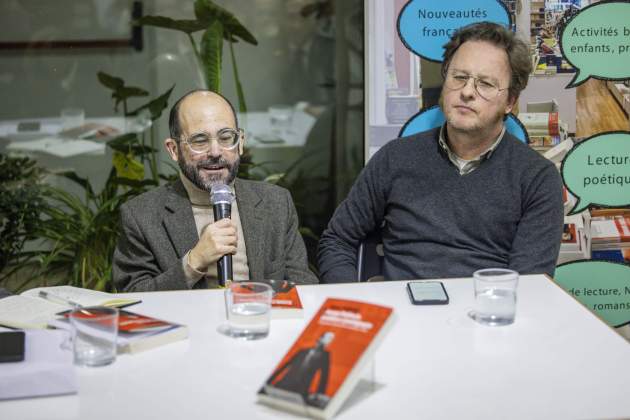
{"x": 221, "y": 197}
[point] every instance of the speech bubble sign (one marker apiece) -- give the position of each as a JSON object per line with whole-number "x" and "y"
{"x": 601, "y": 286}
{"x": 424, "y": 26}
{"x": 596, "y": 42}
{"x": 433, "y": 117}
{"x": 597, "y": 171}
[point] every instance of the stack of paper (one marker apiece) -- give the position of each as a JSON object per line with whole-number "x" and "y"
{"x": 47, "y": 368}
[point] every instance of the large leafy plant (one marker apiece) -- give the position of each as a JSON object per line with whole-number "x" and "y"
{"x": 77, "y": 234}
{"x": 20, "y": 206}
{"x": 218, "y": 26}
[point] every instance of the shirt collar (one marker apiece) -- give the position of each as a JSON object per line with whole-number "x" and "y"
{"x": 452, "y": 156}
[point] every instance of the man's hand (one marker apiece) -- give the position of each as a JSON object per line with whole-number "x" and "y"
{"x": 217, "y": 239}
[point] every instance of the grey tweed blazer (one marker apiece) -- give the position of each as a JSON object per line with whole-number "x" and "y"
{"x": 158, "y": 228}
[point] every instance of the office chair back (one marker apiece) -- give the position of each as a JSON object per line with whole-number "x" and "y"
{"x": 370, "y": 257}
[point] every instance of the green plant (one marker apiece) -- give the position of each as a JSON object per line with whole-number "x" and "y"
{"x": 131, "y": 145}
{"x": 218, "y": 25}
{"x": 77, "y": 235}
{"x": 20, "y": 206}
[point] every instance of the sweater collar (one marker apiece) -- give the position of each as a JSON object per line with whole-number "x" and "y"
{"x": 196, "y": 195}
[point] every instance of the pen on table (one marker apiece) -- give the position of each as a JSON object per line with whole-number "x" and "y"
{"x": 58, "y": 299}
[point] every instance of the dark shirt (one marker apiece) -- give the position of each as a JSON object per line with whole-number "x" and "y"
{"x": 438, "y": 224}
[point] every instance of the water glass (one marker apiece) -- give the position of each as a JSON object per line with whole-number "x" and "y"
{"x": 495, "y": 296}
{"x": 72, "y": 117}
{"x": 94, "y": 332}
{"x": 248, "y": 308}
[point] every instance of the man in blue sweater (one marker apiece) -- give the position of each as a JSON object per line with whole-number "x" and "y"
{"x": 462, "y": 197}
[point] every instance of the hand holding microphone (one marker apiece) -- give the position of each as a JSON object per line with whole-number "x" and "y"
{"x": 221, "y": 197}
{"x": 218, "y": 240}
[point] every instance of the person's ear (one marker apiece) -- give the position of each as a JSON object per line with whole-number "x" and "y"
{"x": 241, "y": 144}
{"x": 511, "y": 104}
{"x": 172, "y": 148}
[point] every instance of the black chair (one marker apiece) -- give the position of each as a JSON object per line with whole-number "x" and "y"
{"x": 370, "y": 257}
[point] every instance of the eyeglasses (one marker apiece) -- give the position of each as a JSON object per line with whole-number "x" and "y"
{"x": 485, "y": 89}
{"x": 227, "y": 138}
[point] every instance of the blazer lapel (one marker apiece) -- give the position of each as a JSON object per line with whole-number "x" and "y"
{"x": 252, "y": 222}
{"x": 179, "y": 221}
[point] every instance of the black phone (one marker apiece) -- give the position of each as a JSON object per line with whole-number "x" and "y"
{"x": 427, "y": 293}
{"x": 11, "y": 346}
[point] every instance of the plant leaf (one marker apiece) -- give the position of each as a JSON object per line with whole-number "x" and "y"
{"x": 208, "y": 12}
{"x": 156, "y": 106}
{"x": 242, "y": 106}
{"x": 81, "y": 181}
{"x": 122, "y": 143}
{"x": 212, "y": 55}
{"x": 125, "y": 92}
{"x": 110, "y": 81}
{"x": 187, "y": 26}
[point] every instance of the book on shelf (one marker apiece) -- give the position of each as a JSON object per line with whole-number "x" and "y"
{"x": 610, "y": 230}
{"x": 557, "y": 153}
{"x": 285, "y": 302}
{"x": 323, "y": 365}
{"x": 570, "y": 239}
{"x": 575, "y": 244}
{"x": 618, "y": 254}
{"x": 34, "y": 308}
{"x": 136, "y": 332}
{"x": 540, "y": 123}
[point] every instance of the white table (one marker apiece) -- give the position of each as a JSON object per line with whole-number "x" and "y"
{"x": 558, "y": 361}
{"x": 276, "y": 148}
{"x": 88, "y": 158}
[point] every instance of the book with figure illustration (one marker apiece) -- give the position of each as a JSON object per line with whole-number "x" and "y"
{"x": 323, "y": 365}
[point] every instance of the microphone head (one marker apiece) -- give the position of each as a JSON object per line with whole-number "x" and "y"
{"x": 221, "y": 194}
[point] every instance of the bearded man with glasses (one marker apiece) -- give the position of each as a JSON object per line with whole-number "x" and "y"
{"x": 169, "y": 237}
{"x": 461, "y": 197}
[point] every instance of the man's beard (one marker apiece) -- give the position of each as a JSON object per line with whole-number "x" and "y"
{"x": 191, "y": 171}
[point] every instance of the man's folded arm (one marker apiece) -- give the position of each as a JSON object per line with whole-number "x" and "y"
{"x": 537, "y": 242}
{"x": 134, "y": 266}
{"x": 358, "y": 215}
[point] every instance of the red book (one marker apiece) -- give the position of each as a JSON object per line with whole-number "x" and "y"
{"x": 323, "y": 365}
{"x": 136, "y": 332}
{"x": 285, "y": 302}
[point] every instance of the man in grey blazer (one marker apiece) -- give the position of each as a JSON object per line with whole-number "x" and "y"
{"x": 169, "y": 238}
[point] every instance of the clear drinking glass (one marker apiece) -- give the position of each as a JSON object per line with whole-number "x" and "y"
{"x": 248, "y": 307}
{"x": 72, "y": 117}
{"x": 94, "y": 332}
{"x": 495, "y": 296}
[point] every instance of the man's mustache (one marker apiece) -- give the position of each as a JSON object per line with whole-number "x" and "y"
{"x": 213, "y": 161}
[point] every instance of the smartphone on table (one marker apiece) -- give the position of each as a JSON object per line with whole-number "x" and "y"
{"x": 11, "y": 346}
{"x": 427, "y": 293}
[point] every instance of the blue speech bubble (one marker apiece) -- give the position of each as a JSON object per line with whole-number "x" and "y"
{"x": 433, "y": 117}
{"x": 424, "y": 26}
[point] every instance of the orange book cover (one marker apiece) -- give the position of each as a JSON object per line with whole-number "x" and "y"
{"x": 321, "y": 367}
{"x": 554, "y": 128}
{"x": 285, "y": 302}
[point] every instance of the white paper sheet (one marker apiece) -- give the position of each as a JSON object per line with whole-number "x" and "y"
{"x": 59, "y": 147}
{"x": 47, "y": 368}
